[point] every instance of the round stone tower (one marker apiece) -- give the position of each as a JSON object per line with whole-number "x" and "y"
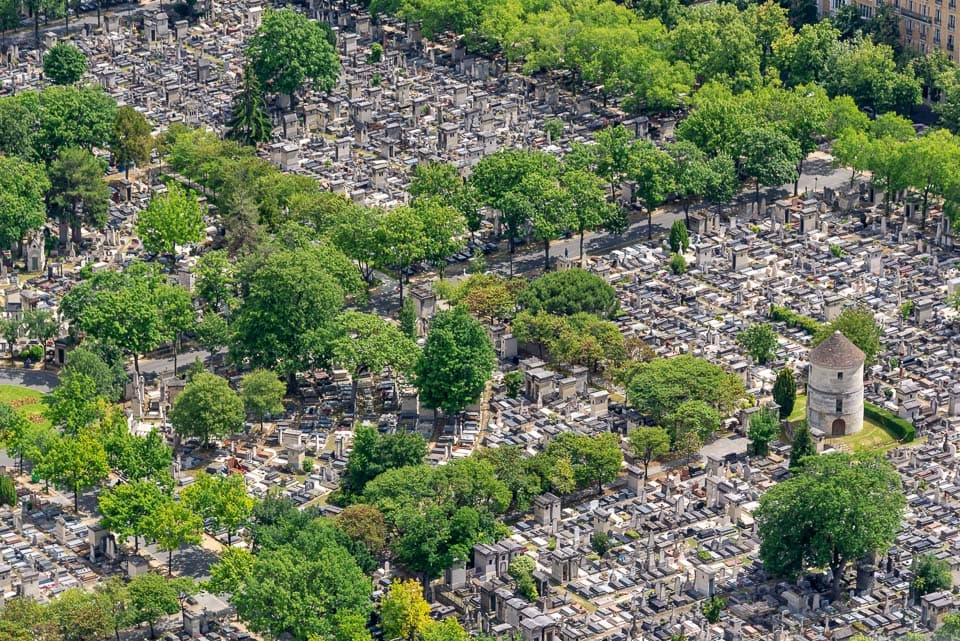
{"x": 835, "y": 387}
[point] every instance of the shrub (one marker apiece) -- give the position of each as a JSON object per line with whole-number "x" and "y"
{"x": 793, "y": 319}
{"x": 902, "y": 429}
{"x": 678, "y": 264}
{"x": 308, "y": 465}
{"x": 34, "y": 353}
{"x": 8, "y": 490}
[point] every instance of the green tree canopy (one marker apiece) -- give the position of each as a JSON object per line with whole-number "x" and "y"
{"x": 568, "y": 292}
{"x": 262, "y": 393}
{"x": 22, "y": 208}
{"x": 221, "y": 499}
{"x": 207, "y": 408}
{"x": 249, "y": 123}
{"x": 289, "y": 49}
{"x": 648, "y": 443}
{"x": 836, "y": 509}
{"x": 760, "y": 341}
{"x": 172, "y": 218}
{"x": 64, "y": 64}
{"x": 764, "y": 427}
{"x": 132, "y": 139}
{"x": 77, "y": 462}
{"x": 659, "y": 387}
{"x": 78, "y": 194}
{"x": 456, "y": 362}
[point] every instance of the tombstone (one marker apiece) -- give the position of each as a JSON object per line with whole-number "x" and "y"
{"x": 424, "y": 306}
{"x": 546, "y": 509}
{"x": 704, "y": 579}
{"x": 60, "y": 530}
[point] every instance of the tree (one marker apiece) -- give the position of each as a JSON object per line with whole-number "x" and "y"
{"x": 513, "y": 381}
{"x": 262, "y": 393}
{"x": 404, "y": 612}
{"x": 859, "y": 326}
{"x": 152, "y": 597}
{"x": 172, "y": 218}
{"x": 132, "y": 139}
{"x": 74, "y": 404}
{"x": 836, "y": 509}
{"x": 443, "y": 229}
{"x": 589, "y": 209}
{"x": 177, "y": 315}
{"x": 78, "y": 193}
{"x": 771, "y": 157}
{"x": 126, "y": 508}
{"x": 80, "y": 615}
{"x": 364, "y": 523}
{"x": 108, "y": 377}
{"x": 930, "y": 574}
{"x": 72, "y": 117}
{"x": 172, "y": 525}
{"x": 216, "y": 280}
{"x": 456, "y": 362}
{"x": 22, "y": 188}
{"x": 949, "y": 629}
{"x": 77, "y": 462}
{"x": 679, "y": 238}
{"x": 568, "y": 292}
{"x": 64, "y": 64}
{"x": 600, "y": 542}
{"x": 289, "y": 49}
{"x": 401, "y": 241}
{"x": 648, "y": 443}
{"x": 785, "y": 391}
{"x": 206, "y": 408}
{"x": 760, "y": 341}
{"x": 408, "y": 320}
{"x": 249, "y": 123}
{"x": 41, "y": 325}
{"x": 595, "y": 459}
{"x": 521, "y": 570}
{"x": 802, "y": 445}
{"x": 290, "y": 299}
{"x": 302, "y": 592}
{"x": 678, "y": 264}
{"x": 374, "y": 454}
{"x": 764, "y": 427}
{"x": 230, "y": 571}
{"x": 362, "y": 342}
{"x": 222, "y": 500}
{"x": 653, "y": 171}
{"x": 9, "y": 19}
{"x": 657, "y": 388}
{"x": 115, "y": 600}
{"x": 694, "y": 417}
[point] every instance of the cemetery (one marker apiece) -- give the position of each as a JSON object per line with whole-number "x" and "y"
{"x": 668, "y": 548}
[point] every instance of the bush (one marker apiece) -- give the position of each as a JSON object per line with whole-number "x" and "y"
{"x": 34, "y": 353}
{"x": 793, "y": 319}
{"x": 308, "y": 465}
{"x": 903, "y": 430}
{"x": 678, "y": 264}
{"x": 513, "y": 381}
{"x": 8, "y": 491}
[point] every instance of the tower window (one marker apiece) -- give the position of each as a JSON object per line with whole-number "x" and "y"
{"x": 839, "y": 405}
{"x": 839, "y": 376}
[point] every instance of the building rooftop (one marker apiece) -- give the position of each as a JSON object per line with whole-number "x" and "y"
{"x": 837, "y": 352}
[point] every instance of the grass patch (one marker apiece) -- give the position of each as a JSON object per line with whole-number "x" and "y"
{"x": 27, "y": 401}
{"x": 799, "y": 412}
{"x": 872, "y": 438}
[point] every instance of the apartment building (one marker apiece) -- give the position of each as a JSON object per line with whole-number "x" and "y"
{"x": 925, "y": 25}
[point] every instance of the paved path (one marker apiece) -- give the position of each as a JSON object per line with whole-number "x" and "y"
{"x": 34, "y": 379}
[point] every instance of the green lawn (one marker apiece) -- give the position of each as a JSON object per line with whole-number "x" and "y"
{"x": 799, "y": 412}
{"x": 26, "y": 400}
{"x": 872, "y": 437}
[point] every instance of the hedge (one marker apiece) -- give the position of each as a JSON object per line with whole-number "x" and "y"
{"x": 793, "y": 319}
{"x": 902, "y": 429}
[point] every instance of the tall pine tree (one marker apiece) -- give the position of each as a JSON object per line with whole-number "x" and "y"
{"x": 802, "y": 445}
{"x": 785, "y": 391}
{"x": 249, "y": 123}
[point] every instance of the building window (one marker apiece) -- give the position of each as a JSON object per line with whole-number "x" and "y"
{"x": 936, "y": 37}
{"x": 839, "y": 376}
{"x": 950, "y": 42}
{"x": 951, "y": 22}
{"x": 952, "y": 5}
{"x": 839, "y": 405}
{"x": 936, "y": 17}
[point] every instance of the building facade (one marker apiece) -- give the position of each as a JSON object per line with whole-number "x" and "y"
{"x": 925, "y": 25}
